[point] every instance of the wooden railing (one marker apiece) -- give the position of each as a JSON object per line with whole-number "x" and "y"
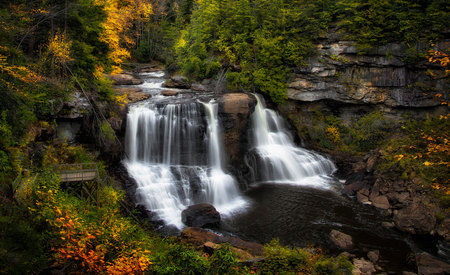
{"x": 77, "y": 172}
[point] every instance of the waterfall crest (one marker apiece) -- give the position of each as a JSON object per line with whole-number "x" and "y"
{"x": 172, "y": 165}
{"x": 276, "y": 158}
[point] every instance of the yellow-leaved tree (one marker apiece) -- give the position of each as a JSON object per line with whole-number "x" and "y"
{"x": 119, "y": 30}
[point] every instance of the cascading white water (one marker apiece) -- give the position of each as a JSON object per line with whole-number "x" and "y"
{"x": 168, "y": 160}
{"x": 277, "y": 159}
{"x": 222, "y": 185}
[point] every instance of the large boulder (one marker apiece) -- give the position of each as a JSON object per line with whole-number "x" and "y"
{"x": 177, "y": 81}
{"x": 125, "y": 79}
{"x": 342, "y": 240}
{"x": 201, "y": 215}
{"x": 415, "y": 219}
{"x": 428, "y": 265}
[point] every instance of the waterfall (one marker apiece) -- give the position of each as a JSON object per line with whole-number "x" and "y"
{"x": 276, "y": 158}
{"x": 171, "y": 162}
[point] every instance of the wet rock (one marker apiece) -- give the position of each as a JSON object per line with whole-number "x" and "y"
{"x": 177, "y": 81}
{"x": 169, "y": 93}
{"x": 125, "y": 79}
{"x": 199, "y": 236}
{"x": 363, "y": 267}
{"x": 428, "y": 265}
{"x": 443, "y": 229}
{"x": 342, "y": 240}
{"x": 201, "y": 215}
{"x": 381, "y": 202}
{"x": 374, "y": 256}
{"x": 416, "y": 219}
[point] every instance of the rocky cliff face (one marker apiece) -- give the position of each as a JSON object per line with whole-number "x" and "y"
{"x": 380, "y": 76}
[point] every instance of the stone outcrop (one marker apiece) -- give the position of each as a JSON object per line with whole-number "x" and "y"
{"x": 77, "y": 106}
{"x": 234, "y": 112}
{"x": 125, "y": 79}
{"x": 342, "y": 240}
{"x": 380, "y": 76}
{"x": 201, "y": 215}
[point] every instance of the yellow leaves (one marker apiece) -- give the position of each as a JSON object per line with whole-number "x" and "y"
{"x": 122, "y": 100}
{"x": 333, "y": 133}
{"x": 59, "y": 48}
{"x": 427, "y": 163}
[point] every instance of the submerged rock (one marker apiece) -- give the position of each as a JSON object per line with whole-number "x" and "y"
{"x": 201, "y": 215}
{"x": 342, "y": 240}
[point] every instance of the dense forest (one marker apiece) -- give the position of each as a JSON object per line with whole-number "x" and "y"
{"x": 51, "y": 49}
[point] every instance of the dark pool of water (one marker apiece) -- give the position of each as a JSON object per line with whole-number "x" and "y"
{"x": 302, "y": 216}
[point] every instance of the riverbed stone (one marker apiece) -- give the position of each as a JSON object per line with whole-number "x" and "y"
{"x": 169, "y": 93}
{"x": 429, "y": 265}
{"x": 201, "y": 215}
{"x": 342, "y": 240}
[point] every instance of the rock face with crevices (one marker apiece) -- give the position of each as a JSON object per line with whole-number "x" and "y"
{"x": 380, "y": 76}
